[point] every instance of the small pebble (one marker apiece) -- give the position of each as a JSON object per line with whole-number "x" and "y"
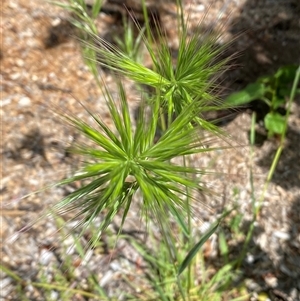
{"x": 20, "y": 63}
{"x": 252, "y": 285}
{"x": 5, "y": 286}
{"x": 271, "y": 281}
{"x": 25, "y": 101}
{"x": 34, "y": 78}
{"x": 46, "y": 257}
{"x": 106, "y": 278}
{"x": 249, "y": 258}
{"x": 282, "y": 235}
{"x": 54, "y": 295}
{"x": 13, "y": 5}
{"x": 200, "y": 8}
{"x": 56, "y": 22}
{"x": 5, "y": 101}
{"x": 15, "y": 76}
{"x": 115, "y": 266}
{"x": 204, "y": 227}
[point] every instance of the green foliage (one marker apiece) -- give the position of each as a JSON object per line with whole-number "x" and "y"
{"x": 122, "y": 162}
{"x": 129, "y": 158}
{"x": 192, "y": 253}
{"x": 130, "y": 44}
{"x": 62, "y": 286}
{"x": 274, "y": 90}
{"x": 84, "y": 20}
{"x": 82, "y": 17}
{"x": 176, "y": 84}
{"x": 196, "y": 282}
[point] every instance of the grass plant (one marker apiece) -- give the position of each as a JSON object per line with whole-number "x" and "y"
{"x": 129, "y": 43}
{"x": 128, "y": 163}
{"x": 127, "y": 158}
{"x": 62, "y": 287}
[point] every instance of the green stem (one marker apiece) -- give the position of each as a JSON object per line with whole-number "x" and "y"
{"x": 256, "y": 206}
{"x": 190, "y": 241}
{"x": 253, "y": 200}
{"x": 47, "y": 285}
{"x": 163, "y": 120}
{"x": 147, "y": 24}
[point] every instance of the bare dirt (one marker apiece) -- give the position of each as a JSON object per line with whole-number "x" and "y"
{"x": 42, "y": 71}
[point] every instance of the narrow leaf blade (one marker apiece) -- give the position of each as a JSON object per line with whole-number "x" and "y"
{"x": 196, "y": 248}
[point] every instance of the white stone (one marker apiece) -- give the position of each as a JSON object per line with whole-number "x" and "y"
{"x": 5, "y": 287}
{"x": 200, "y": 8}
{"x": 25, "y": 101}
{"x": 20, "y": 63}
{"x": 46, "y": 257}
{"x": 282, "y": 235}
{"x": 106, "y": 278}
{"x": 34, "y": 78}
{"x": 5, "y": 101}
{"x": 15, "y": 76}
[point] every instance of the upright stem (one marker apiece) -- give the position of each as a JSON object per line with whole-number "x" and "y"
{"x": 146, "y": 17}
{"x": 256, "y": 206}
{"x": 253, "y": 201}
{"x": 190, "y": 241}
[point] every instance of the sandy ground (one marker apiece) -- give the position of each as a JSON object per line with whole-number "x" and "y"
{"x": 42, "y": 71}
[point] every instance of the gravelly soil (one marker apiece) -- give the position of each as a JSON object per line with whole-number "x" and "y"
{"x": 42, "y": 71}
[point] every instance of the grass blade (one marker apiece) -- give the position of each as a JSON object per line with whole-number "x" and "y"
{"x": 196, "y": 248}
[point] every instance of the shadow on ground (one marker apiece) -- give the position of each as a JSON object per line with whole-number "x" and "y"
{"x": 271, "y": 39}
{"x": 276, "y": 273}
